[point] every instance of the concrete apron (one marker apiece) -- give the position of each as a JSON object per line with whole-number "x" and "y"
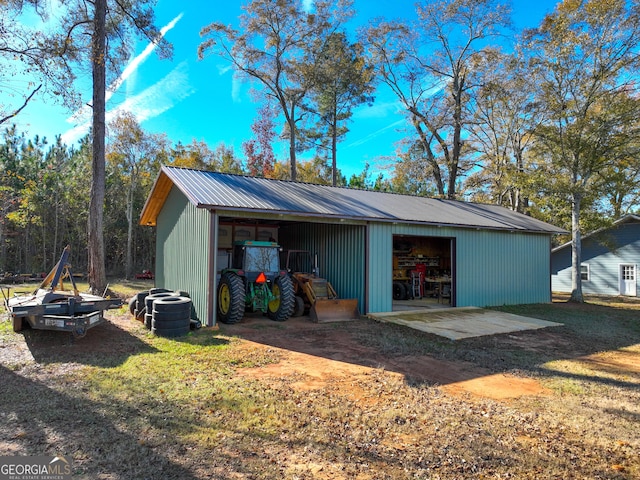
{"x": 463, "y": 322}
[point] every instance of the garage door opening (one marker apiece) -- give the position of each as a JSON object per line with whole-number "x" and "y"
{"x": 423, "y": 272}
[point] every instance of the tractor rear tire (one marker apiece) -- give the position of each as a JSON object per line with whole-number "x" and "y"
{"x": 230, "y": 298}
{"x": 281, "y": 307}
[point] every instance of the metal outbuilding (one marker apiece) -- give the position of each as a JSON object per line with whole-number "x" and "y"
{"x": 494, "y": 256}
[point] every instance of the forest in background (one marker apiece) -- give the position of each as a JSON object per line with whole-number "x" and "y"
{"x": 543, "y": 121}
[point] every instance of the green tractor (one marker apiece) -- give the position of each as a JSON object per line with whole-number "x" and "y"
{"x": 255, "y": 283}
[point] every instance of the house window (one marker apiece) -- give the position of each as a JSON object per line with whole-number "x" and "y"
{"x": 628, "y": 272}
{"x": 584, "y": 272}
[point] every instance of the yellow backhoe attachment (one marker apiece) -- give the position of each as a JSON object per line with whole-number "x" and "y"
{"x": 325, "y": 304}
{"x": 334, "y": 310}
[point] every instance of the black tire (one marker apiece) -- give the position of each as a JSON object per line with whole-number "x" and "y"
{"x": 398, "y": 291}
{"x": 139, "y": 314}
{"x": 133, "y": 304}
{"x": 170, "y": 332}
{"x": 282, "y": 307}
{"x": 149, "y": 299}
{"x": 298, "y": 307}
{"x": 195, "y": 324}
{"x": 18, "y": 324}
{"x": 169, "y": 316}
{"x": 153, "y": 291}
{"x": 172, "y": 304}
{"x": 408, "y": 293}
{"x": 140, "y": 305}
{"x": 170, "y": 323}
{"x": 147, "y": 320}
{"x": 230, "y": 298}
{"x": 182, "y": 293}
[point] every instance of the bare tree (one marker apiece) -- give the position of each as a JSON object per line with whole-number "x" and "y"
{"x": 430, "y": 65}
{"x": 274, "y": 46}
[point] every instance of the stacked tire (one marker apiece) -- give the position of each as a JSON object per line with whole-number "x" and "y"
{"x": 148, "y": 305}
{"x": 164, "y": 312}
{"x": 171, "y": 316}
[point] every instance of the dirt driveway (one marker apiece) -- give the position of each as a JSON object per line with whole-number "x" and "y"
{"x": 332, "y": 354}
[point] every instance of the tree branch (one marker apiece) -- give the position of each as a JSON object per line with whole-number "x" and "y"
{"x": 26, "y": 101}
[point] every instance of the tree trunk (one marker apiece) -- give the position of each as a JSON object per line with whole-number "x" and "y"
{"x": 334, "y": 146}
{"x": 129, "y": 215}
{"x": 576, "y": 250}
{"x": 292, "y": 144}
{"x": 97, "y": 275}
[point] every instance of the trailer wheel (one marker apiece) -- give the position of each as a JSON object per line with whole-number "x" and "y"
{"x": 281, "y": 307}
{"x": 230, "y": 298}
{"x": 17, "y": 324}
{"x": 79, "y": 332}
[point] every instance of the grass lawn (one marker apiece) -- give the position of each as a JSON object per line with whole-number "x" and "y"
{"x": 231, "y": 404}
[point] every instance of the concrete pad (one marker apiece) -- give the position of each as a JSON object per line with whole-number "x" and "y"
{"x": 464, "y": 322}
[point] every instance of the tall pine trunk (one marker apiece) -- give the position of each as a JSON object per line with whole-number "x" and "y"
{"x": 97, "y": 275}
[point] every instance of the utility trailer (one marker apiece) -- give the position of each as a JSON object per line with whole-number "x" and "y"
{"x": 51, "y": 307}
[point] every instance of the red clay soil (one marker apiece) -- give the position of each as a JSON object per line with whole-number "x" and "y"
{"x": 320, "y": 356}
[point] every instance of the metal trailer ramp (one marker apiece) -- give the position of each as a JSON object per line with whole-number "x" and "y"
{"x": 463, "y": 322}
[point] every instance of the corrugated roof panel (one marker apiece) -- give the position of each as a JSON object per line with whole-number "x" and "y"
{"x": 228, "y": 191}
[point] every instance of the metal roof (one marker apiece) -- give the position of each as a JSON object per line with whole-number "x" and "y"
{"x": 626, "y": 219}
{"x": 222, "y": 191}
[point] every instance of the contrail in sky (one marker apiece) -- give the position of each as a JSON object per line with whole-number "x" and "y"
{"x": 136, "y": 62}
{"x": 85, "y": 111}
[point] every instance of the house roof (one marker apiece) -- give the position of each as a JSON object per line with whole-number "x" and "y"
{"x": 222, "y": 191}
{"x": 626, "y": 219}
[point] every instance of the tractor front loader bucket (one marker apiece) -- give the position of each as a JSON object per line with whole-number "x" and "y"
{"x": 334, "y": 310}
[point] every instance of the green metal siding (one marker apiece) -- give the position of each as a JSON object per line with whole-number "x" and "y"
{"x": 182, "y": 249}
{"x": 380, "y": 268}
{"x": 502, "y": 268}
{"x": 492, "y": 268}
{"x": 341, "y": 256}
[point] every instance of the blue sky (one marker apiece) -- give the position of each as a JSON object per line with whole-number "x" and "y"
{"x": 189, "y": 99}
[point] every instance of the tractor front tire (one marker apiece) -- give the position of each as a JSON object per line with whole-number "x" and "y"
{"x": 230, "y": 298}
{"x": 281, "y": 307}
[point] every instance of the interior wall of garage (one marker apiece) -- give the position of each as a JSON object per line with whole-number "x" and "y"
{"x": 492, "y": 267}
{"x": 341, "y": 254}
{"x": 182, "y": 249}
